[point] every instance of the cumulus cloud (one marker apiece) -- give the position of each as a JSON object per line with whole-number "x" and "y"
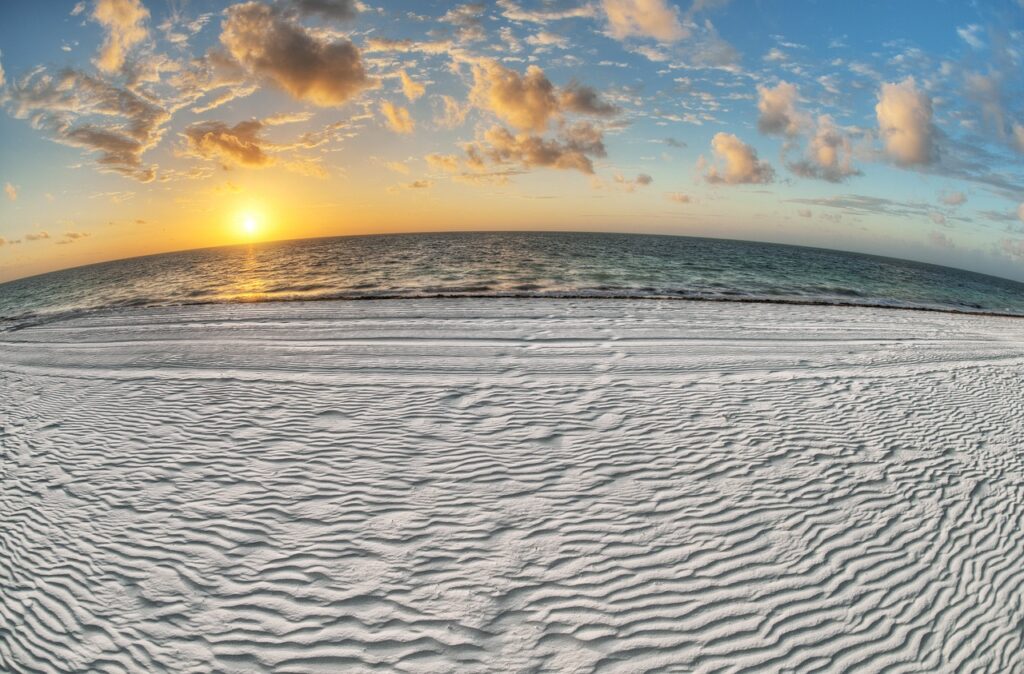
{"x": 124, "y": 22}
{"x": 37, "y": 236}
{"x": 678, "y": 197}
{"x": 778, "y": 113}
{"x": 3, "y": 77}
{"x": 905, "y": 123}
{"x": 643, "y": 18}
{"x": 829, "y": 154}
{"x": 398, "y": 118}
{"x": 575, "y": 148}
{"x": 741, "y": 164}
{"x": 586, "y": 100}
{"x": 529, "y": 102}
{"x": 411, "y": 89}
{"x": 311, "y": 67}
{"x": 238, "y": 145}
{"x": 11, "y": 191}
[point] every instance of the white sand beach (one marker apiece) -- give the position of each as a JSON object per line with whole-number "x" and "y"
{"x": 512, "y": 486}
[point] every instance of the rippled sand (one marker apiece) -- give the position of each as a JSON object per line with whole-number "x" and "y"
{"x": 513, "y": 486}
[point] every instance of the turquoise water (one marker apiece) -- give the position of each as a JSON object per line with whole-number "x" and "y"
{"x": 529, "y": 264}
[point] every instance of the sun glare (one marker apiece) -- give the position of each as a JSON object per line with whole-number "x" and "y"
{"x": 250, "y": 224}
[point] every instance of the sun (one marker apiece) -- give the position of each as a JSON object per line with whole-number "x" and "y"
{"x": 250, "y": 224}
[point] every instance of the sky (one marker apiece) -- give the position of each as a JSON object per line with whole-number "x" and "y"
{"x": 130, "y": 127}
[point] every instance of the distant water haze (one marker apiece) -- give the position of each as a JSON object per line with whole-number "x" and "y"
{"x": 527, "y": 264}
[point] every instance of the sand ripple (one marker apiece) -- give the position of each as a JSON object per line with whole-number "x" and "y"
{"x": 512, "y": 486}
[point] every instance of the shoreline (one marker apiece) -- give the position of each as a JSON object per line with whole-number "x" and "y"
{"x": 21, "y": 322}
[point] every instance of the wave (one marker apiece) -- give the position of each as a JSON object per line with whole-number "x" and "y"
{"x": 851, "y": 299}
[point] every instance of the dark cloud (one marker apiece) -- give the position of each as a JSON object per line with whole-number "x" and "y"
{"x": 323, "y": 71}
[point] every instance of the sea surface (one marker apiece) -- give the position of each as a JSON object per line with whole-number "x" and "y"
{"x": 527, "y": 264}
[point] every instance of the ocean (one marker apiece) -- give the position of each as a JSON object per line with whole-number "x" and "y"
{"x": 504, "y": 264}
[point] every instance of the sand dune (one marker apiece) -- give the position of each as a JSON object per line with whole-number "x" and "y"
{"x": 512, "y": 486}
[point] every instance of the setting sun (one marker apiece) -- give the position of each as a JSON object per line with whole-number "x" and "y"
{"x": 250, "y": 224}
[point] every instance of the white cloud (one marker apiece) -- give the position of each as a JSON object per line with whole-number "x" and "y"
{"x": 11, "y": 191}
{"x": 741, "y": 162}
{"x": 124, "y": 21}
{"x": 654, "y": 19}
{"x": 778, "y": 110}
{"x": 905, "y": 123}
{"x": 971, "y": 34}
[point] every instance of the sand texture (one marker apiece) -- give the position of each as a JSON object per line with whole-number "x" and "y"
{"x": 512, "y": 486}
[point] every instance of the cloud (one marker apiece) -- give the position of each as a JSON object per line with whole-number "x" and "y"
{"x": 940, "y": 240}
{"x": 397, "y": 117}
{"x": 452, "y": 113}
{"x": 778, "y": 110}
{"x": 329, "y": 9}
{"x": 678, "y": 197}
{"x": 411, "y": 89}
{"x": 1012, "y": 247}
{"x": 311, "y": 67}
{"x": 937, "y": 218}
{"x": 805, "y": 213}
{"x": 905, "y": 123}
{"x": 3, "y": 77}
{"x": 238, "y": 145}
{"x": 829, "y": 154}
{"x": 468, "y": 20}
{"x": 971, "y": 35}
{"x": 71, "y": 237}
{"x": 11, "y": 191}
{"x": 586, "y": 100}
{"x": 574, "y": 149}
{"x": 741, "y": 162}
{"x": 546, "y": 39}
{"x": 443, "y": 162}
{"x": 953, "y": 198}
{"x": 529, "y": 102}
{"x": 1020, "y": 212}
{"x": 643, "y": 18}
{"x": 378, "y": 44}
{"x": 641, "y": 180}
{"x": 83, "y": 111}
{"x": 37, "y": 236}
{"x": 512, "y": 11}
{"x": 124, "y": 22}
{"x": 420, "y": 185}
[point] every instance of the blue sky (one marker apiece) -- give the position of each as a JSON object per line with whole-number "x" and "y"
{"x": 134, "y": 127}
